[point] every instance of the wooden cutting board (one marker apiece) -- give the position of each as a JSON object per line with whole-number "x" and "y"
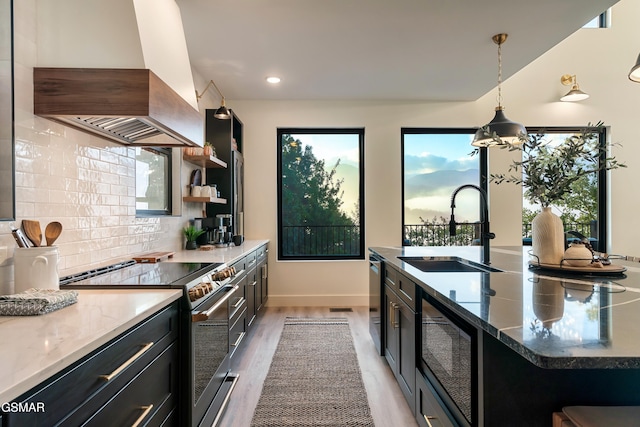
{"x": 153, "y": 257}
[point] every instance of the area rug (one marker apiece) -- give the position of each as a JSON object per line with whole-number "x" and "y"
{"x": 314, "y": 378}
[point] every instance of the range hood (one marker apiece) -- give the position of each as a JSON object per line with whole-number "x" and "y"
{"x": 129, "y": 106}
{"x": 119, "y": 69}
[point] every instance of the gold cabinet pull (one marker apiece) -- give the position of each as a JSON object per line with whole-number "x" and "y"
{"x": 126, "y": 364}
{"x": 235, "y": 344}
{"x": 395, "y": 307}
{"x": 141, "y": 418}
{"x": 392, "y": 314}
{"x": 427, "y": 418}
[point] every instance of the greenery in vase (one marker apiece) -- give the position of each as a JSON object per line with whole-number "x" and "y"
{"x": 191, "y": 233}
{"x": 550, "y": 173}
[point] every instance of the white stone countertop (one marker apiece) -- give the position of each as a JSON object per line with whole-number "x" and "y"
{"x": 35, "y": 348}
{"x": 227, "y": 254}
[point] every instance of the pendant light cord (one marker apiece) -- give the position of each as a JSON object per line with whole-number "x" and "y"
{"x": 499, "y": 74}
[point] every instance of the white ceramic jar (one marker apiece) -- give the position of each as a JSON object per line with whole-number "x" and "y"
{"x": 36, "y": 267}
{"x": 578, "y": 255}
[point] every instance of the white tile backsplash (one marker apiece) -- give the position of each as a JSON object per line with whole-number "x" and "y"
{"x": 85, "y": 182}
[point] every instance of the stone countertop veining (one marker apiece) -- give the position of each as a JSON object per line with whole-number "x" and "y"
{"x": 554, "y": 321}
{"x": 36, "y": 347}
{"x": 226, "y": 254}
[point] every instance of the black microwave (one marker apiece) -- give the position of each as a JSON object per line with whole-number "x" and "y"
{"x": 448, "y": 359}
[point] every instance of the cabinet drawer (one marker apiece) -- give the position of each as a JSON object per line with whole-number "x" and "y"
{"x": 390, "y": 277}
{"x": 237, "y": 332}
{"x": 250, "y": 261}
{"x": 406, "y": 289}
{"x": 429, "y": 412}
{"x": 84, "y": 381}
{"x": 401, "y": 285}
{"x": 262, "y": 252}
{"x": 149, "y": 398}
{"x": 238, "y": 300}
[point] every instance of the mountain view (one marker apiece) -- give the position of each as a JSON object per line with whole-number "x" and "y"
{"x": 428, "y": 195}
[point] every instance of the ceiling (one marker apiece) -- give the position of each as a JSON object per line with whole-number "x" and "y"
{"x": 423, "y": 50}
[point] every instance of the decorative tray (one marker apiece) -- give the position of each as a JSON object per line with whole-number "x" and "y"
{"x": 590, "y": 269}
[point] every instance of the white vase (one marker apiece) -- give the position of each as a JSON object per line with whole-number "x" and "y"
{"x": 547, "y": 238}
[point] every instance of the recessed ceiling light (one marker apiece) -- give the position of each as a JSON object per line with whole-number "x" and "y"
{"x": 273, "y": 80}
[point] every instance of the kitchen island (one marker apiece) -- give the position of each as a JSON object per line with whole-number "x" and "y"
{"x": 544, "y": 339}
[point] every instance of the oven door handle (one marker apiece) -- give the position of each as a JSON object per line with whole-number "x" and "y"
{"x": 204, "y": 315}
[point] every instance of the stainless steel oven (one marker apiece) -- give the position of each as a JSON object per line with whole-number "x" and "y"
{"x": 205, "y": 378}
{"x": 210, "y": 381}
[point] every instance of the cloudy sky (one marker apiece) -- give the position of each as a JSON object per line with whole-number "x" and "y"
{"x": 434, "y": 166}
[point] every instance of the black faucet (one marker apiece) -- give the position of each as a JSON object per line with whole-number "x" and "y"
{"x": 485, "y": 234}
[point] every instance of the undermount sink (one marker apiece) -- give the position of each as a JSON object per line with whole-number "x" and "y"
{"x": 449, "y": 264}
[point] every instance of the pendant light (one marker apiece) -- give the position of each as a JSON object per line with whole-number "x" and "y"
{"x": 634, "y": 74}
{"x": 222, "y": 112}
{"x": 500, "y": 129}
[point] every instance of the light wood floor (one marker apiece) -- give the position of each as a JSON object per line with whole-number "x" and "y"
{"x": 388, "y": 407}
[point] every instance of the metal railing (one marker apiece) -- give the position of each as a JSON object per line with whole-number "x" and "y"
{"x": 468, "y": 234}
{"x": 317, "y": 240}
{"x": 438, "y": 235}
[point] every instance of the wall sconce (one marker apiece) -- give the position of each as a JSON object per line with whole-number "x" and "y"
{"x": 222, "y": 112}
{"x": 575, "y": 94}
{"x": 634, "y": 74}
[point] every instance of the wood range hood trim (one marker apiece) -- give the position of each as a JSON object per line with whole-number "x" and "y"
{"x": 130, "y": 106}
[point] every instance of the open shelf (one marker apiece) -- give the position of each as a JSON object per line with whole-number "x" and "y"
{"x": 204, "y": 200}
{"x": 205, "y": 161}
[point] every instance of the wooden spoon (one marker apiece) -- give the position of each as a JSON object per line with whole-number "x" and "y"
{"x": 33, "y": 231}
{"x": 52, "y": 232}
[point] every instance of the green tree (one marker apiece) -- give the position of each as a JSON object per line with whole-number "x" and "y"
{"x": 311, "y": 201}
{"x": 581, "y": 205}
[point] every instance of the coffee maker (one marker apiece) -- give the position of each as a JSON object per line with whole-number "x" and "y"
{"x": 223, "y": 231}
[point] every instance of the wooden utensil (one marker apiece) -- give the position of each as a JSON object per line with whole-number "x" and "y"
{"x": 52, "y": 232}
{"x": 33, "y": 231}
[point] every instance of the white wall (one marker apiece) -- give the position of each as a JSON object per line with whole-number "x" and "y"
{"x": 601, "y": 59}
{"x": 54, "y": 163}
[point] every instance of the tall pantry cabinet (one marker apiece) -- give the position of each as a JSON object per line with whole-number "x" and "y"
{"x": 226, "y": 137}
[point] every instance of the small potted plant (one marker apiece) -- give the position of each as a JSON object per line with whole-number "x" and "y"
{"x": 208, "y": 149}
{"x": 191, "y": 233}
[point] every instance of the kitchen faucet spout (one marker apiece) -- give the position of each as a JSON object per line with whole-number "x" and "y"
{"x": 485, "y": 234}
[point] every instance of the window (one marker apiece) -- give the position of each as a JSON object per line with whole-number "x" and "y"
{"x": 584, "y": 210}
{"x": 600, "y": 21}
{"x": 320, "y": 194}
{"x": 434, "y": 163}
{"x": 153, "y": 181}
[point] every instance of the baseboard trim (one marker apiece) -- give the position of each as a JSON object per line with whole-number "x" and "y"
{"x": 318, "y": 301}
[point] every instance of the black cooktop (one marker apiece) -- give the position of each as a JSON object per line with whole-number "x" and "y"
{"x": 131, "y": 275}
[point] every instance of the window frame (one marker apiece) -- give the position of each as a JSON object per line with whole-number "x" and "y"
{"x": 361, "y": 217}
{"x": 483, "y": 163}
{"x": 168, "y": 155}
{"x": 602, "y": 178}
